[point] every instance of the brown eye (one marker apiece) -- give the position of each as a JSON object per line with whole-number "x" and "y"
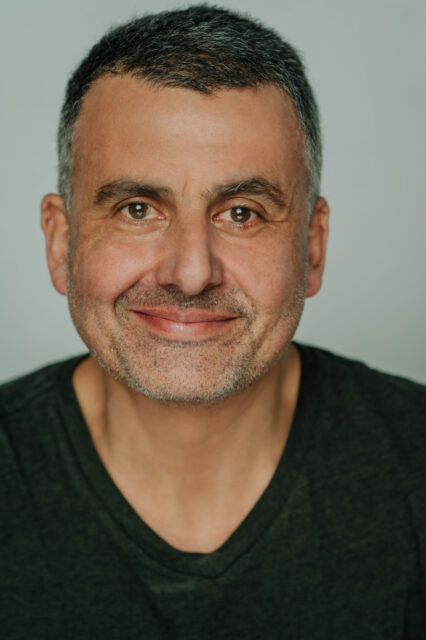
{"x": 136, "y": 210}
{"x": 241, "y": 214}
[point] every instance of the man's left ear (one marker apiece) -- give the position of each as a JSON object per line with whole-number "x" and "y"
{"x": 317, "y": 245}
{"x": 55, "y": 225}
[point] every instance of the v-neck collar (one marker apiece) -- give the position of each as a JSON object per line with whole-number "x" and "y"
{"x": 127, "y": 526}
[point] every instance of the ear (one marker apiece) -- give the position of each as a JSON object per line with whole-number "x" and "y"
{"x": 317, "y": 245}
{"x": 55, "y": 225}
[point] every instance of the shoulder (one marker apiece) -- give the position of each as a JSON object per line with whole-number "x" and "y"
{"x": 22, "y": 394}
{"x": 373, "y": 414}
{"x": 32, "y": 410}
{"x": 355, "y": 384}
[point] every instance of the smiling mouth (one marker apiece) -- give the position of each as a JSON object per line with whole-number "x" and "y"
{"x": 184, "y": 324}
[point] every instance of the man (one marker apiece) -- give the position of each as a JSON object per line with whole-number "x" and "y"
{"x": 199, "y": 475}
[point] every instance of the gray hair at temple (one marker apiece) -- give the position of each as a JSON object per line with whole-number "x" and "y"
{"x": 203, "y": 48}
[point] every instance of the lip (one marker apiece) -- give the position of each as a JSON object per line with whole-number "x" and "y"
{"x": 184, "y": 323}
{"x": 184, "y": 315}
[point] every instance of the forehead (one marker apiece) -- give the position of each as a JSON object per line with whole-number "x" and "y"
{"x": 128, "y": 126}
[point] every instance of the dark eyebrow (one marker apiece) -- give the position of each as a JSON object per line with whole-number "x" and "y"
{"x": 121, "y": 189}
{"x": 254, "y": 186}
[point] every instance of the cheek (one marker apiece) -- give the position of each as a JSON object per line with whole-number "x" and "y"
{"x": 106, "y": 269}
{"x": 269, "y": 275}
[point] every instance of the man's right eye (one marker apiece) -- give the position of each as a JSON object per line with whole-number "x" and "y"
{"x": 138, "y": 211}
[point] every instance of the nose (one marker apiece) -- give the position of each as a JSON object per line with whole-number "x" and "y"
{"x": 188, "y": 259}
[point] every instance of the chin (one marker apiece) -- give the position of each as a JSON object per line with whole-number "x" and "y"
{"x": 191, "y": 382}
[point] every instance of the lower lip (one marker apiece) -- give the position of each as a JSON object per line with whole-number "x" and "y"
{"x": 184, "y": 330}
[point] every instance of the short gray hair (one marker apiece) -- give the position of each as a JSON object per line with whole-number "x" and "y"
{"x": 203, "y": 48}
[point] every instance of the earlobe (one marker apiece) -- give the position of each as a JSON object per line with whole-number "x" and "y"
{"x": 317, "y": 246}
{"x": 55, "y": 225}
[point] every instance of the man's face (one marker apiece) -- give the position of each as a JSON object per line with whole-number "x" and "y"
{"x": 188, "y": 249}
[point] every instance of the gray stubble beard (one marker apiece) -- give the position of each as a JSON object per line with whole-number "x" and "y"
{"x": 236, "y": 375}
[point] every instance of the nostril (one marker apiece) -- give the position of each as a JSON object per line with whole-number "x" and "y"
{"x": 190, "y": 264}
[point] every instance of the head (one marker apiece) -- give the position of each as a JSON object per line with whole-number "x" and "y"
{"x": 188, "y": 230}
{"x": 202, "y": 48}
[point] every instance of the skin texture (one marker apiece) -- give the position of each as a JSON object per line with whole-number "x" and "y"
{"x": 187, "y": 291}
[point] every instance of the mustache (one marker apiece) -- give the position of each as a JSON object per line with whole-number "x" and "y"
{"x": 227, "y": 302}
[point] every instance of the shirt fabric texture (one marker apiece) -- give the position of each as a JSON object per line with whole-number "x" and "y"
{"x": 335, "y": 548}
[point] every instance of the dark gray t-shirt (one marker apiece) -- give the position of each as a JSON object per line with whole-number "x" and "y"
{"x": 334, "y": 549}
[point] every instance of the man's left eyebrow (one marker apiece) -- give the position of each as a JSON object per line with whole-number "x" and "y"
{"x": 253, "y": 187}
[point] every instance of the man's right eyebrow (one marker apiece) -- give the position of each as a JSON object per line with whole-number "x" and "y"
{"x": 121, "y": 189}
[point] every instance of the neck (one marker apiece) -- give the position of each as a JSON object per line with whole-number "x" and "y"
{"x": 194, "y": 461}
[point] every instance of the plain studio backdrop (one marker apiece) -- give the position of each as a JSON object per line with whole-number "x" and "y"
{"x": 366, "y": 62}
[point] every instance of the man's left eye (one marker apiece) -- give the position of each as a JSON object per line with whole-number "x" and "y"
{"x": 240, "y": 215}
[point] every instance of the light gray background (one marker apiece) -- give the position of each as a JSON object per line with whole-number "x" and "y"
{"x": 366, "y": 61}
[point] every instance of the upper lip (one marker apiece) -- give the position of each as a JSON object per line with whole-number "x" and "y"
{"x": 185, "y": 315}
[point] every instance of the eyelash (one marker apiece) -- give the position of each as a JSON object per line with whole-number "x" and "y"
{"x": 245, "y": 210}
{"x": 237, "y": 225}
{"x": 138, "y": 203}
